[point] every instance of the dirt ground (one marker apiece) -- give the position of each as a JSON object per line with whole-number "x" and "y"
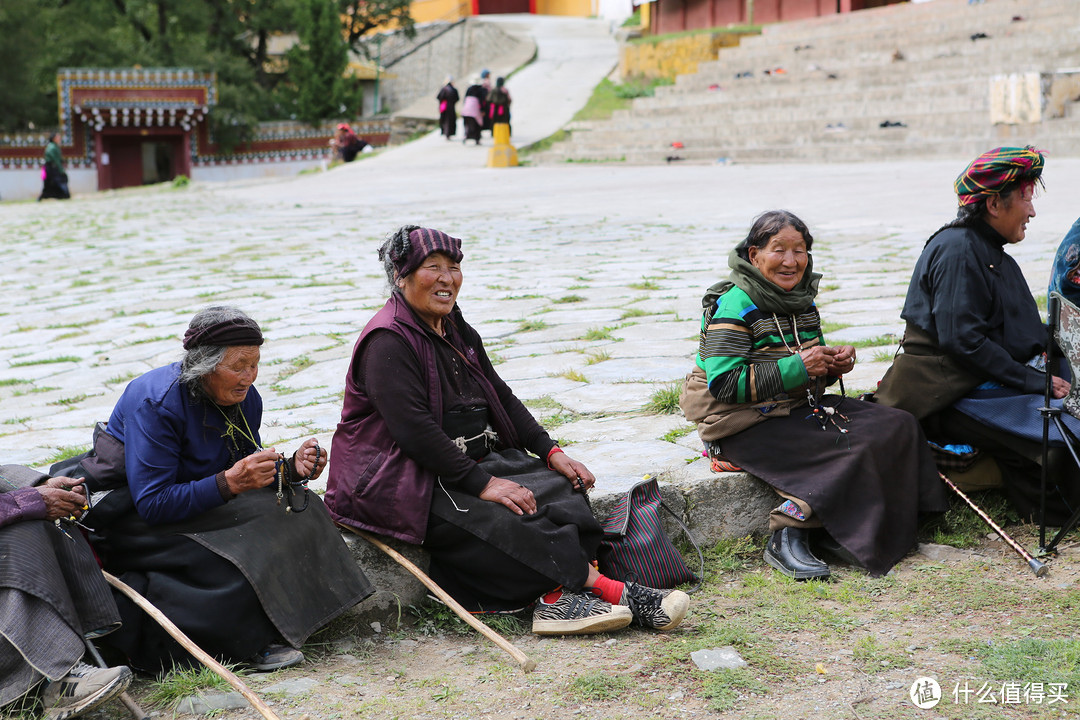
{"x": 1000, "y": 643}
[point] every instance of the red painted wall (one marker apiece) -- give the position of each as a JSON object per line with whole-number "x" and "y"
{"x": 678, "y": 15}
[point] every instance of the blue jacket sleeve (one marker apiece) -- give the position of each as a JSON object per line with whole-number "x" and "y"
{"x": 152, "y": 452}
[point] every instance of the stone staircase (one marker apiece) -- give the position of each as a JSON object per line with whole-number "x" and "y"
{"x": 832, "y": 81}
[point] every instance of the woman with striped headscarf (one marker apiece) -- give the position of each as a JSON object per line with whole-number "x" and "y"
{"x": 970, "y": 366}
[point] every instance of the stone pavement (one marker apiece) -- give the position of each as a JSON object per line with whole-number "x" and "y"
{"x": 584, "y": 281}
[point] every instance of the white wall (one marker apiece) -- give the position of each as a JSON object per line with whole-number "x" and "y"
{"x": 26, "y": 184}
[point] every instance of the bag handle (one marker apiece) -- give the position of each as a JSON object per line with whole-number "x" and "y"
{"x": 690, "y": 537}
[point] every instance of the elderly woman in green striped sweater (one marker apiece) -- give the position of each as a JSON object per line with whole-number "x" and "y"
{"x": 852, "y": 474}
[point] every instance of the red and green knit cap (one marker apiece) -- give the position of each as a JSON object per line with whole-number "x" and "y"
{"x": 998, "y": 170}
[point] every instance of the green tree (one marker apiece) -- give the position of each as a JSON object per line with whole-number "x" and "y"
{"x": 363, "y": 16}
{"x": 316, "y": 85}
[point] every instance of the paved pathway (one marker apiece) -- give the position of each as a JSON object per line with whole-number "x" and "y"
{"x": 584, "y": 280}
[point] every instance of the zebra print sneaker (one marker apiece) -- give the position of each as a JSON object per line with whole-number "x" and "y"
{"x": 656, "y": 609}
{"x": 578, "y": 614}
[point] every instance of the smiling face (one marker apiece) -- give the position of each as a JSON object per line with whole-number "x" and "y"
{"x": 782, "y": 260}
{"x": 432, "y": 289}
{"x": 236, "y": 372}
{"x": 1009, "y": 215}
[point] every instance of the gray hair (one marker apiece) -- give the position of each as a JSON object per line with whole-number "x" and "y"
{"x": 395, "y": 245}
{"x": 200, "y": 361}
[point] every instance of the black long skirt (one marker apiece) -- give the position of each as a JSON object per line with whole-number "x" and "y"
{"x": 234, "y": 579}
{"x": 867, "y": 486}
{"x": 490, "y": 559}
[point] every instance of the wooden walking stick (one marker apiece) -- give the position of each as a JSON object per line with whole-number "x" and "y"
{"x": 1036, "y": 566}
{"x": 133, "y": 707}
{"x": 527, "y": 663}
{"x": 199, "y": 654}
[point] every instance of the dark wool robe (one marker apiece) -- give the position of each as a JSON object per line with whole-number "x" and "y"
{"x": 972, "y": 320}
{"x": 266, "y": 574}
{"x": 396, "y": 470}
{"x": 52, "y": 593}
{"x": 448, "y": 97}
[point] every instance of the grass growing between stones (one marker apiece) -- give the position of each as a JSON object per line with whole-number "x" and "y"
{"x": 665, "y": 400}
{"x": 179, "y": 683}
{"x": 64, "y": 452}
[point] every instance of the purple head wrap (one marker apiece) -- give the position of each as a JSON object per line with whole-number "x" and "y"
{"x": 422, "y": 242}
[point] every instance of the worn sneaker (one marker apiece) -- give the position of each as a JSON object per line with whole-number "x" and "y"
{"x": 82, "y": 689}
{"x": 656, "y": 609}
{"x": 274, "y": 656}
{"x": 578, "y": 614}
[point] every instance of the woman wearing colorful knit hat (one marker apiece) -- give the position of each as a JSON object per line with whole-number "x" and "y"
{"x": 970, "y": 367}
{"x": 431, "y": 449}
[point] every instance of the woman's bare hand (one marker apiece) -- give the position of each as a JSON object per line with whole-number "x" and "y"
{"x": 578, "y": 475}
{"x": 1059, "y": 387}
{"x": 304, "y": 459}
{"x": 518, "y": 498}
{"x": 252, "y": 472}
{"x": 64, "y": 497}
{"x": 842, "y": 361}
{"x": 817, "y": 360}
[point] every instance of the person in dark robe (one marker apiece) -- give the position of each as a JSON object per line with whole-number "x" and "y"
{"x": 54, "y": 598}
{"x": 220, "y": 533}
{"x": 347, "y": 144}
{"x": 854, "y": 473}
{"x": 448, "y": 97}
{"x": 472, "y": 112}
{"x": 1065, "y": 273}
{"x": 499, "y": 103}
{"x": 54, "y": 178}
{"x": 972, "y": 366}
{"x": 432, "y": 449}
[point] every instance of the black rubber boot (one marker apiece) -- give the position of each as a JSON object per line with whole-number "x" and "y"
{"x": 789, "y": 552}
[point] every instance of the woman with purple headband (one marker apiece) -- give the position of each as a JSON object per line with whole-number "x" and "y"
{"x": 217, "y": 531}
{"x": 431, "y": 450}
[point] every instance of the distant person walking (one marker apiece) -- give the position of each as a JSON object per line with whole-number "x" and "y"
{"x": 499, "y": 103}
{"x": 448, "y": 98}
{"x": 485, "y": 82}
{"x": 54, "y": 179}
{"x": 472, "y": 110}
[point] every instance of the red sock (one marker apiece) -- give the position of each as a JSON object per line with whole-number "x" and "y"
{"x": 609, "y": 590}
{"x": 552, "y": 596}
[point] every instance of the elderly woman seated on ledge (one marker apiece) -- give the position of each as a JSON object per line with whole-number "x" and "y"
{"x": 53, "y": 596}
{"x": 218, "y": 532}
{"x": 861, "y": 472}
{"x": 431, "y": 449}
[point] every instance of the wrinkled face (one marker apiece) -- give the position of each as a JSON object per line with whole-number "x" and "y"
{"x": 236, "y": 372}
{"x": 783, "y": 258}
{"x": 431, "y": 289}
{"x": 1009, "y": 215}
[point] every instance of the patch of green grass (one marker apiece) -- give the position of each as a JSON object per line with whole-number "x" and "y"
{"x": 545, "y": 143}
{"x": 79, "y": 282}
{"x": 961, "y": 527}
{"x": 16, "y": 420}
{"x": 180, "y": 181}
{"x": 73, "y": 400}
{"x": 572, "y": 375}
{"x": 633, "y": 313}
{"x": 876, "y": 341}
{"x": 679, "y": 432}
{"x": 122, "y": 378}
{"x": 724, "y": 688}
{"x": 597, "y": 356}
{"x": 42, "y": 389}
{"x": 551, "y": 422}
{"x": 179, "y": 683}
{"x": 872, "y": 656}
{"x": 1034, "y": 660}
{"x": 1041, "y": 301}
{"x": 597, "y": 334}
{"x": 665, "y": 400}
{"x": 829, "y": 327}
{"x": 46, "y": 361}
{"x": 568, "y": 299}
{"x": 882, "y": 356}
{"x": 732, "y": 554}
{"x": 64, "y": 452}
{"x": 645, "y": 284}
{"x": 14, "y": 381}
{"x": 542, "y": 403}
{"x": 434, "y": 618}
{"x": 532, "y": 325}
{"x": 724, "y": 30}
{"x": 598, "y": 685}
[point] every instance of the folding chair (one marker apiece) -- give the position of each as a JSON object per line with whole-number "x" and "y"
{"x": 1064, "y": 331}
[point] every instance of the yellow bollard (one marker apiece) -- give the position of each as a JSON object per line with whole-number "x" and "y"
{"x": 503, "y": 154}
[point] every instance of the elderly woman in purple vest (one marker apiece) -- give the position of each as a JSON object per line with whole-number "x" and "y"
{"x": 433, "y": 449}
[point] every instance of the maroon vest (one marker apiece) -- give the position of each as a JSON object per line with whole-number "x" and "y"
{"x": 372, "y": 484}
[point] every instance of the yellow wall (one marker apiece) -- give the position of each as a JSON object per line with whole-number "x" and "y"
{"x": 677, "y": 56}
{"x": 424, "y": 11}
{"x": 574, "y": 8}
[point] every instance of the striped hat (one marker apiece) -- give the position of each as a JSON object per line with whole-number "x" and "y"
{"x": 423, "y": 242}
{"x": 998, "y": 170}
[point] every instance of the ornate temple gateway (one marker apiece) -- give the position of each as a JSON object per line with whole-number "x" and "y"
{"x": 137, "y": 126}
